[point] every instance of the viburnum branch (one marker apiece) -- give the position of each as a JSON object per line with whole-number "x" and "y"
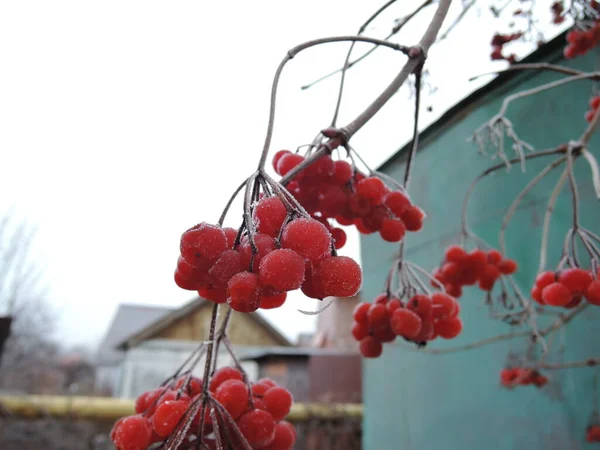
{"x": 588, "y": 362}
{"x": 517, "y": 201}
{"x": 290, "y": 55}
{"x": 464, "y": 218}
{"x": 415, "y": 139}
{"x": 547, "y": 216}
{"x": 458, "y": 19}
{"x": 593, "y": 163}
{"x": 395, "y": 30}
{"x": 417, "y": 56}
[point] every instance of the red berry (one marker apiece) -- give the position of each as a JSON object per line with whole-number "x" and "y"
{"x": 277, "y": 157}
{"x": 285, "y": 437}
{"x": 264, "y": 245}
{"x": 536, "y": 294}
{"x": 288, "y": 162}
{"x": 257, "y": 426}
{"x": 167, "y": 416}
{"x": 370, "y": 347}
{"x": 230, "y": 234}
{"x": 397, "y": 202}
{"x": 233, "y": 395}
{"x": 339, "y": 237}
{"x": 393, "y": 305}
{"x": 427, "y": 332}
{"x": 228, "y": 264}
{"x": 576, "y": 280}
{"x": 260, "y": 388}
{"x": 132, "y": 433}
{"x": 202, "y": 244}
{"x": 278, "y": 402}
{"x": 422, "y": 306}
{"x": 413, "y": 218}
{"x": 556, "y": 294}
{"x": 489, "y": 277}
{"x": 321, "y": 169}
{"x": 372, "y": 189}
{"x": 358, "y": 206}
{"x": 332, "y": 200}
{"x": 392, "y": 230}
{"x": 592, "y": 294}
{"x": 456, "y": 254}
{"x": 450, "y": 270}
{"x": 444, "y": 306}
{"x": 384, "y": 333}
{"x": 282, "y": 270}
{"x": 360, "y": 312}
{"x": 214, "y": 294}
{"x": 270, "y": 213}
{"x": 454, "y": 290}
{"x": 359, "y": 330}
{"x": 223, "y": 374}
{"x": 405, "y": 323}
{"x": 544, "y": 279}
{"x": 448, "y": 328}
{"x": 272, "y": 301}
{"x": 244, "y": 289}
{"x": 309, "y": 288}
{"x": 377, "y": 315}
{"x": 507, "y": 266}
{"x": 339, "y": 276}
{"x": 307, "y": 237}
{"x": 477, "y": 260}
{"x": 342, "y": 172}
{"x": 494, "y": 257}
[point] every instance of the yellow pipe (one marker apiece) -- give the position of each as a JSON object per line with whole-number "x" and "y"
{"x": 107, "y": 408}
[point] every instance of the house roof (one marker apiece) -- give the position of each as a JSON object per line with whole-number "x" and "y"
{"x": 171, "y": 317}
{"x": 127, "y": 319}
{"x": 549, "y": 52}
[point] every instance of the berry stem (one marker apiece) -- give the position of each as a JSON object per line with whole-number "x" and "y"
{"x": 230, "y": 202}
{"x": 290, "y": 55}
{"x": 547, "y": 216}
{"x": 517, "y": 201}
{"x": 594, "y": 168}
{"x": 415, "y": 139}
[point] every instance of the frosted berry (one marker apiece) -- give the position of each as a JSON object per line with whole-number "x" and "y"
{"x": 392, "y": 230}
{"x": 264, "y": 245}
{"x": 413, "y": 218}
{"x": 277, "y": 157}
{"x": 282, "y": 270}
{"x": 285, "y": 437}
{"x": 244, "y": 289}
{"x": 444, "y": 306}
{"x": 576, "y": 280}
{"x": 592, "y": 294}
{"x": 556, "y": 294}
{"x": 360, "y": 312}
{"x": 270, "y": 213}
{"x": 448, "y": 328}
{"x": 228, "y": 264}
{"x": 338, "y": 276}
{"x": 307, "y": 237}
{"x": 397, "y": 202}
{"x": 272, "y": 301}
{"x": 288, "y": 162}
{"x": 258, "y": 427}
{"x": 278, "y": 402}
{"x": 342, "y": 172}
{"x": 233, "y": 395}
{"x": 339, "y": 237}
{"x": 223, "y": 374}
{"x": 132, "y": 433}
{"x": 405, "y": 323}
{"x": 372, "y": 189}
{"x": 202, "y": 244}
{"x": 215, "y": 295}
{"x": 167, "y": 416}
{"x": 370, "y": 347}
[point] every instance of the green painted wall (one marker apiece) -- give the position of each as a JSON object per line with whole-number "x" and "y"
{"x": 420, "y": 401}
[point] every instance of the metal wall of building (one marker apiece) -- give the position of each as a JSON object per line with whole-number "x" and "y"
{"x": 454, "y": 401}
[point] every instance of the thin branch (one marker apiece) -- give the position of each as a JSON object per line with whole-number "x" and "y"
{"x": 415, "y": 139}
{"x": 517, "y": 201}
{"x": 595, "y": 170}
{"x": 536, "y": 66}
{"x": 588, "y": 362}
{"x": 589, "y": 131}
{"x": 462, "y": 14}
{"x": 290, "y": 55}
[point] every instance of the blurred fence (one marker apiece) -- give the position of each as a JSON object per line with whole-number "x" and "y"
{"x": 83, "y": 423}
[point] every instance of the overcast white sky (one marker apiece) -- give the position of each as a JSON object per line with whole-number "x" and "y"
{"x": 122, "y": 123}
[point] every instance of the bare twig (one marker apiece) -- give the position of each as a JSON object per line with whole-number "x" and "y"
{"x": 547, "y": 216}
{"x": 415, "y": 139}
{"x": 595, "y": 170}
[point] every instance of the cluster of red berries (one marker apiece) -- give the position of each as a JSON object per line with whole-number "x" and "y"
{"x": 421, "y": 319}
{"x": 498, "y": 42}
{"x": 566, "y": 288}
{"x": 520, "y": 376}
{"x": 260, "y": 421}
{"x": 460, "y": 268}
{"x": 592, "y": 433}
{"x": 330, "y": 189}
{"x": 594, "y": 105}
{"x": 286, "y": 257}
{"x": 580, "y": 41}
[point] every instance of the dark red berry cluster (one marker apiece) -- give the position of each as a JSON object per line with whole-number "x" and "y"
{"x": 594, "y": 104}
{"x": 498, "y": 42}
{"x": 330, "y": 189}
{"x": 423, "y": 318}
{"x": 258, "y": 413}
{"x": 566, "y": 288}
{"x": 592, "y": 433}
{"x": 285, "y": 257}
{"x": 557, "y": 9}
{"x": 520, "y": 376}
{"x": 460, "y": 268}
{"x": 581, "y": 41}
